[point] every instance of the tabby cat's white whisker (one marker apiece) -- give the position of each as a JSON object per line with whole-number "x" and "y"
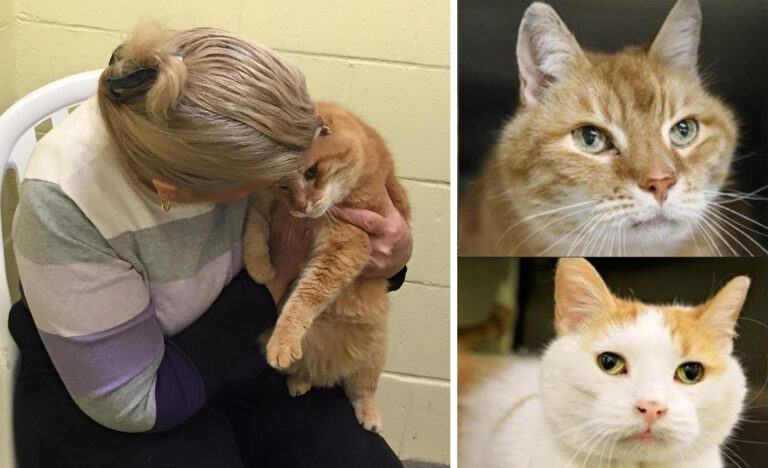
{"x": 562, "y": 238}
{"x": 588, "y": 227}
{"x": 546, "y": 225}
{"x": 538, "y": 215}
{"x": 713, "y": 229}
{"x": 714, "y": 250}
{"x": 711, "y": 217}
{"x": 738, "y": 223}
{"x": 747, "y": 236}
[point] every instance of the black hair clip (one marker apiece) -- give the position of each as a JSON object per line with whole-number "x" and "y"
{"x": 134, "y": 84}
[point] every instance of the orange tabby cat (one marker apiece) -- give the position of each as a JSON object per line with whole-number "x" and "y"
{"x": 609, "y": 154}
{"x": 333, "y": 325}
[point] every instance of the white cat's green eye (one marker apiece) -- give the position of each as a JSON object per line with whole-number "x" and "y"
{"x": 683, "y": 132}
{"x": 611, "y": 363}
{"x": 591, "y": 140}
{"x": 689, "y": 372}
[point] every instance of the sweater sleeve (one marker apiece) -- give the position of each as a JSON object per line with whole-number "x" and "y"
{"x": 96, "y": 319}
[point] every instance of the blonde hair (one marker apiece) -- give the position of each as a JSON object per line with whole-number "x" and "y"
{"x": 221, "y": 111}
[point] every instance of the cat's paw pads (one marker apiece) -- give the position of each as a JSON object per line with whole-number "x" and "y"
{"x": 368, "y": 416}
{"x": 261, "y": 272}
{"x": 283, "y": 351}
{"x": 298, "y": 386}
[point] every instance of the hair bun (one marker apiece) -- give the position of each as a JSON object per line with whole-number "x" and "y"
{"x": 152, "y": 46}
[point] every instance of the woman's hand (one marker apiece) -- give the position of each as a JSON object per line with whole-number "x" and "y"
{"x": 289, "y": 246}
{"x": 391, "y": 241}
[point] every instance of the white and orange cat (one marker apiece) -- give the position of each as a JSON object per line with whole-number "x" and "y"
{"x": 623, "y": 385}
{"x": 332, "y": 329}
{"x": 619, "y": 154}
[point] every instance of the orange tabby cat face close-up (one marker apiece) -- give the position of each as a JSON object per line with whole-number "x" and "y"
{"x": 333, "y": 167}
{"x": 611, "y": 133}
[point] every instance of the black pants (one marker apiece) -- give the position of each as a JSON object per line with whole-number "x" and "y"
{"x": 251, "y": 422}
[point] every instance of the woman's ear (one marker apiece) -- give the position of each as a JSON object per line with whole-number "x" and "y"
{"x": 174, "y": 193}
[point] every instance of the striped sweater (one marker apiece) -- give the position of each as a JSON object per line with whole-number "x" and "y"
{"x": 108, "y": 276}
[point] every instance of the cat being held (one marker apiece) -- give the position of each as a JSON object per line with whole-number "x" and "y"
{"x": 332, "y": 327}
{"x": 608, "y": 154}
{"x": 623, "y": 385}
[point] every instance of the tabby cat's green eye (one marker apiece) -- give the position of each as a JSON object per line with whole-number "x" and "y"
{"x": 611, "y": 363}
{"x": 689, "y": 372}
{"x": 591, "y": 140}
{"x": 684, "y": 132}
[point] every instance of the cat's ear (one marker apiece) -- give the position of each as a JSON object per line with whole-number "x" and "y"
{"x": 546, "y": 50}
{"x": 722, "y": 311}
{"x": 677, "y": 42}
{"x": 579, "y": 293}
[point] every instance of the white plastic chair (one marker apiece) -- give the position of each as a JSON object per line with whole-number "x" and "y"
{"x": 17, "y": 140}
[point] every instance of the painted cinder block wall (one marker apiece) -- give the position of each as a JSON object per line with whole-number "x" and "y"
{"x": 387, "y": 61}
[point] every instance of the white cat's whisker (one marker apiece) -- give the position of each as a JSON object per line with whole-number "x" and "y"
{"x": 693, "y": 236}
{"x": 746, "y": 218}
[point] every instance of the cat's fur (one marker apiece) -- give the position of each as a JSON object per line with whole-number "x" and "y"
{"x": 538, "y": 194}
{"x": 332, "y": 328}
{"x": 563, "y": 410}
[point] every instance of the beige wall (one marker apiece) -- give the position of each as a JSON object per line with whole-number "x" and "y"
{"x": 386, "y": 60}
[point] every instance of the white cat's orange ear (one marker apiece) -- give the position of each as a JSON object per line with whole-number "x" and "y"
{"x": 579, "y": 293}
{"x": 546, "y": 50}
{"x": 722, "y": 311}
{"x": 677, "y": 42}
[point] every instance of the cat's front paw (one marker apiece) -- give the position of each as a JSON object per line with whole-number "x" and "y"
{"x": 298, "y": 386}
{"x": 367, "y": 415}
{"x": 261, "y": 272}
{"x": 283, "y": 349}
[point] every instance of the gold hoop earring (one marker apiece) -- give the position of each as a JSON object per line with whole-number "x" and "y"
{"x": 165, "y": 202}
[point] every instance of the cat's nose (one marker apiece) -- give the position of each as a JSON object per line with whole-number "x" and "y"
{"x": 650, "y": 410}
{"x": 301, "y": 206}
{"x": 659, "y": 185}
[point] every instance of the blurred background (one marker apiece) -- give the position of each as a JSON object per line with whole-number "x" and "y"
{"x": 386, "y": 61}
{"x": 525, "y": 287}
{"x": 733, "y": 57}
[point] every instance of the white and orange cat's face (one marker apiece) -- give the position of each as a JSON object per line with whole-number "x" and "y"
{"x": 647, "y": 383}
{"x": 625, "y": 151}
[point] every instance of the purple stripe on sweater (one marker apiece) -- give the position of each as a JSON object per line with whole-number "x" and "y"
{"x": 179, "y": 389}
{"x": 95, "y": 364}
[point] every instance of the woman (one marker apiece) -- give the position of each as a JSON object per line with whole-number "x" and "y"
{"x": 128, "y": 242}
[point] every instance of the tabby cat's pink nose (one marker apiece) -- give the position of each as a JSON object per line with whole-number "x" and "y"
{"x": 659, "y": 186}
{"x": 650, "y": 410}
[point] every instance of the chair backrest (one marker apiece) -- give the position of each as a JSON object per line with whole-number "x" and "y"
{"x": 17, "y": 140}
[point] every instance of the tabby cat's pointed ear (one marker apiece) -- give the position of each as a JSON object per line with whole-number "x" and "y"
{"x": 677, "y": 42}
{"x": 579, "y": 293}
{"x": 546, "y": 50}
{"x": 720, "y": 314}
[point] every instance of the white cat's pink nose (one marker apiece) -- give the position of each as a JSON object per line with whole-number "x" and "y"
{"x": 650, "y": 410}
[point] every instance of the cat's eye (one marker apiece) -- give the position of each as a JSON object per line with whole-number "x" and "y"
{"x": 311, "y": 173}
{"x": 689, "y": 372}
{"x": 611, "y": 363}
{"x": 683, "y": 133}
{"x": 591, "y": 140}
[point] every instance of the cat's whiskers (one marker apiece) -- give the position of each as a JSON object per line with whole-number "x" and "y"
{"x": 538, "y": 215}
{"x": 713, "y": 230}
{"x": 714, "y": 249}
{"x": 714, "y": 218}
{"x": 586, "y": 229}
{"x": 541, "y": 228}
{"x": 562, "y": 238}
{"x": 738, "y": 227}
